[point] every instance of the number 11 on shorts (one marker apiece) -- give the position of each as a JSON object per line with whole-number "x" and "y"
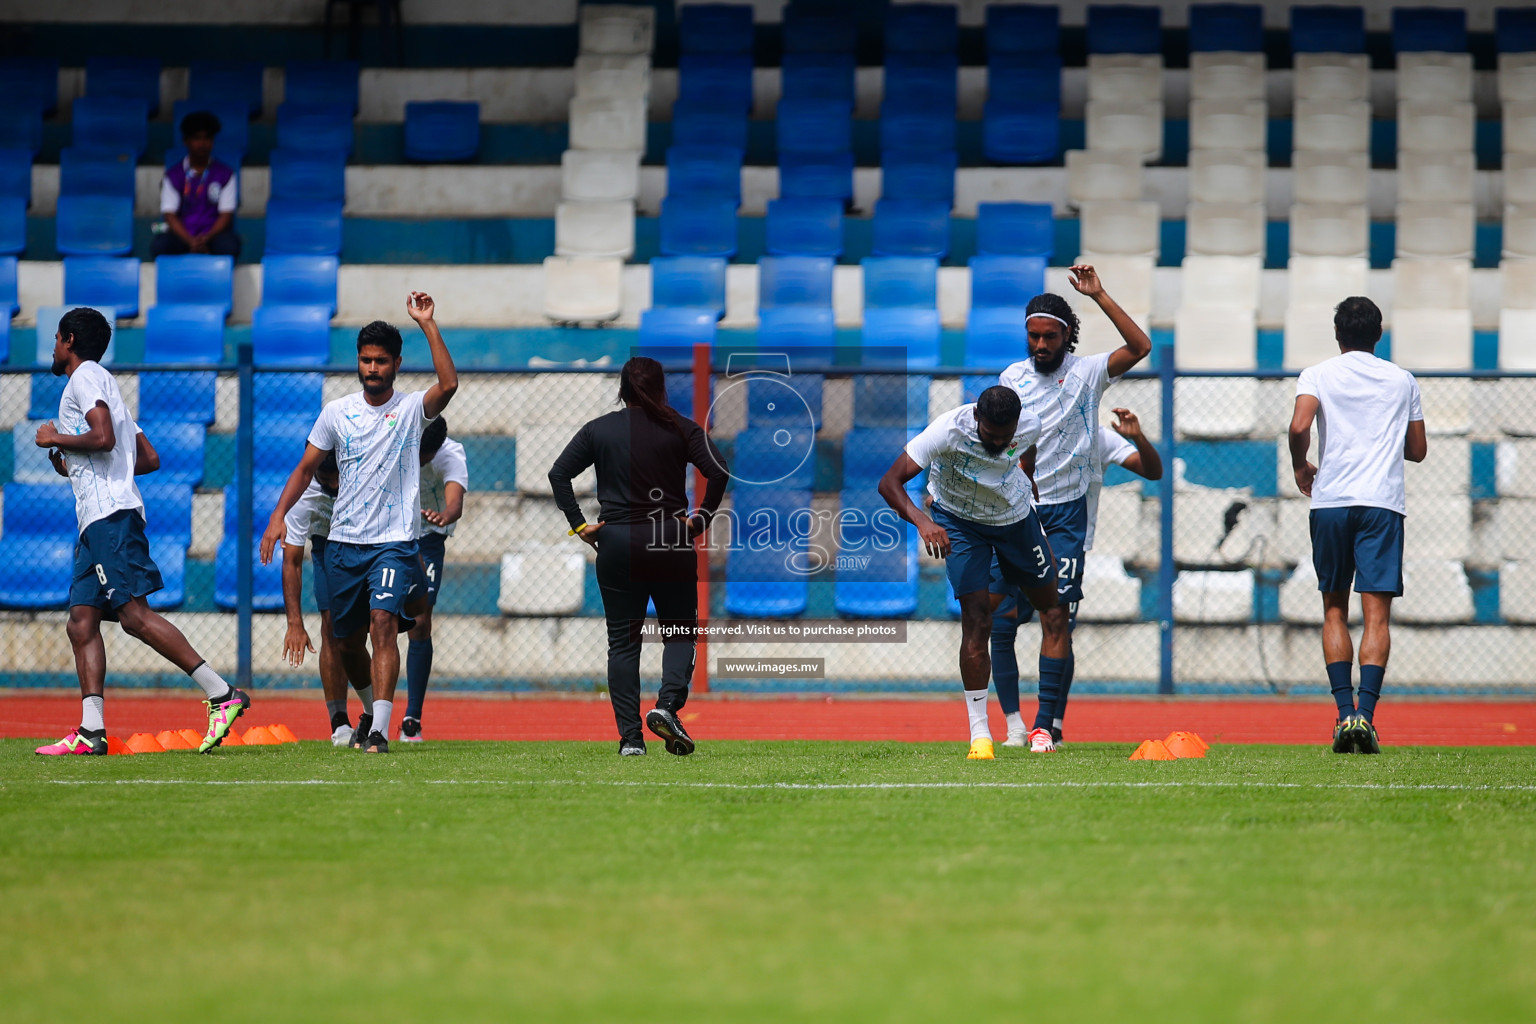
{"x": 386, "y": 577}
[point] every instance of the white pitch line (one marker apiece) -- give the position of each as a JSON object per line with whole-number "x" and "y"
{"x": 811, "y": 786}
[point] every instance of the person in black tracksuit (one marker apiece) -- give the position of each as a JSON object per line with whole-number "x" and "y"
{"x": 644, "y": 540}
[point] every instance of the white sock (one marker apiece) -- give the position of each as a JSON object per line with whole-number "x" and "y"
{"x": 382, "y": 709}
{"x": 976, "y": 710}
{"x": 90, "y": 714}
{"x": 366, "y": 696}
{"x": 212, "y": 684}
{"x": 1015, "y": 721}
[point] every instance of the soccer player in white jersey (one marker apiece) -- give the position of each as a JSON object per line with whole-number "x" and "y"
{"x": 99, "y": 447}
{"x": 1369, "y": 419}
{"x": 1062, "y": 390}
{"x": 977, "y": 458}
{"x": 1125, "y": 445}
{"x": 444, "y": 481}
{"x": 372, "y": 564}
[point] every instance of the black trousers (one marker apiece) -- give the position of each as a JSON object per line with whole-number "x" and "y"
{"x": 636, "y": 563}
{"x": 169, "y": 243}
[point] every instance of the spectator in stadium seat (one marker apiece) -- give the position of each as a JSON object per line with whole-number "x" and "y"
{"x": 198, "y": 196}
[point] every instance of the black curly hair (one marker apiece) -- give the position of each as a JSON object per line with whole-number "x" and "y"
{"x": 1055, "y": 305}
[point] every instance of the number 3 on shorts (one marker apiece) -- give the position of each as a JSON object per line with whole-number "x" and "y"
{"x": 1040, "y": 556}
{"x": 101, "y": 574}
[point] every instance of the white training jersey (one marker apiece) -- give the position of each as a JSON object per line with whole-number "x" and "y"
{"x": 448, "y": 466}
{"x": 1112, "y": 449}
{"x": 965, "y": 478}
{"x": 1067, "y": 404}
{"x": 1365, "y": 404}
{"x": 103, "y": 481}
{"x": 309, "y": 517}
{"x": 376, "y": 446}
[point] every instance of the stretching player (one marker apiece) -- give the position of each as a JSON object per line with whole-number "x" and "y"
{"x": 310, "y": 520}
{"x": 1063, "y": 390}
{"x": 1123, "y": 445}
{"x": 99, "y": 447}
{"x": 444, "y": 479}
{"x": 977, "y": 457}
{"x": 1369, "y": 419}
{"x": 371, "y": 560}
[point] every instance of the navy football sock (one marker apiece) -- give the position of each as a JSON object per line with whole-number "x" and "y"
{"x": 1051, "y": 672}
{"x": 1066, "y": 688}
{"x": 1005, "y": 662}
{"x": 418, "y": 669}
{"x": 1371, "y": 678}
{"x": 1343, "y": 689}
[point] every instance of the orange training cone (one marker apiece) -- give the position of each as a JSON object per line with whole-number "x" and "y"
{"x": 283, "y": 733}
{"x": 117, "y": 746}
{"x": 259, "y": 736}
{"x": 191, "y": 737}
{"x": 1192, "y": 737}
{"x": 144, "y": 743}
{"x": 231, "y": 739}
{"x": 1185, "y": 744}
{"x": 1152, "y": 750}
{"x": 172, "y": 741}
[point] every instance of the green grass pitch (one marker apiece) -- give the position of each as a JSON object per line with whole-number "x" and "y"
{"x": 768, "y": 881}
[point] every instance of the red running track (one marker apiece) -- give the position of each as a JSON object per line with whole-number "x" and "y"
{"x": 463, "y": 717}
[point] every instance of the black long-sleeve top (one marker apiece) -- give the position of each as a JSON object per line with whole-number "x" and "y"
{"x": 642, "y": 468}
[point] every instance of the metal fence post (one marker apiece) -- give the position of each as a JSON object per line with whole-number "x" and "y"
{"x": 244, "y": 459}
{"x": 701, "y": 372}
{"x": 1166, "y": 572}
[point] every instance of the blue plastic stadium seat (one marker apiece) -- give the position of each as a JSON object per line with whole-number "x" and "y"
{"x": 129, "y": 77}
{"x": 29, "y": 463}
{"x": 315, "y": 127}
{"x": 180, "y": 333}
{"x": 919, "y": 175}
{"x": 10, "y": 303}
{"x": 781, "y": 454}
{"x": 910, "y": 332}
{"x": 16, "y": 174}
{"x": 297, "y": 174}
{"x": 915, "y": 128}
{"x": 814, "y": 126}
{"x": 288, "y": 394}
{"x": 722, "y": 78}
{"x": 103, "y": 281}
{"x": 1021, "y": 133}
{"x": 44, "y": 394}
{"x": 13, "y": 225}
{"x": 21, "y": 127}
{"x": 794, "y": 281}
{"x": 236, "y": 82}
{"x": 798, "y": 410}
{"x": 797, "y": 327}
{"x": 30, "y": 83}
{"x": 891, "y": 400}
{"x": 180, "y": 446}
{"x": 921, "y": 28}
{"x": 278, "y": 443}
{"x": 1327, "y": 28}
{"x": 680, "y": 397}
{"x": 995, "y": 336}
{"x": 877, "y": 575}
{"x": 170, "y": 557}
{"x": 1023, "y": 28}
{"x": 296, "y": 280}
{"x": 37, "y": 547}
{"x": 664, "y": 328}
{"x": 1021, "y": 80}
{"x": 95, "y": 172}
{"x": 186, "y": 397}
{"x": 804, "y": 227}
{"x": 1015, "y": 229}
{"x": 167, "y": 509}
{"x": 892, "y": 282}
{"x": 704, "y": 172}
{"x": 46, "y": 320}
{"x": 1124, "y": 28}
{"x": 707, "y": 123}
{"x": 869, "y": 451}
{"x": 715, "y": 28}
{"x": 817, "y": 28}
{"x": 698, "y": 227}
{"x": 442, "y": 131}
{"x": 322, "y": 81}
{"x": 1425, "y": 29}
{"x": 266, "y": 580}
{"x": 816, "y": 176}
{"x": 114, "y": 124}
{"x": 94, "y": 225}
{"x": 1226, "y": 27}
{"x": 5, "y": 339}
{"x": 303, "y": 227}
{"x": 195, "y": 279}
{"x": 819, "y": 76}
{"x": 290, "y": 335}
{"x": 1006, "y": 280}
{"x": 234, "y": 136}
{"x": 922, "y": 79}
{"x": 689, "y": 281}
{"x": 911, "y": 227}
{"x": 1514, "y": 29}
{"x": 759, "y": 578}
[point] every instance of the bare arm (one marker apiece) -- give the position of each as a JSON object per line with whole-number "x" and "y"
{"x": 1146, "y": 462}
{"x": 302, "y": 474}
{"x": 145, "y": 458}
{"x": 173, "y": 221}
{"x": 453, "y": 506}
{"x": 421, "y": 309}
{"x": 1027, "y": 464}
{"x": 1137, "y": 345}
{"x": 98, "y": 437}
{"x": 1417, "y": 445}
{"x": 1301, "y": 442}
{"x": 893, "y": 488}
{"x": 296, "y": 642}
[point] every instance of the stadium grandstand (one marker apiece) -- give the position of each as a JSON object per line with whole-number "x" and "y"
{"x": 574, "y": 183}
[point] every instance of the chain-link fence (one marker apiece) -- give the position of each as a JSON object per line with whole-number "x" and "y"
{"x": 1211, "y": 593}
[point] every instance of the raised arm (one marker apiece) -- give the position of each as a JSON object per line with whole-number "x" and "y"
{"x": 145, "y": 458}
{"x": 1137, "y": 345}
{"x": 1301, "y": 442}
{"x": 99, "y": 434}
{"x": 1146, "y": 462}
{"x": 893, "y": 488}
{"x": 421, "y": 309}
{"x": 298, "y": 480}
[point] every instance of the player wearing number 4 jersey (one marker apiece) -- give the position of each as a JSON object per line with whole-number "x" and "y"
{"x": 99, "y": 447}
{"x": 372, "y": 561}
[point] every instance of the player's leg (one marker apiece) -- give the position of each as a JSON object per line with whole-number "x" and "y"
{"x": 333, "y": 681}
{"x": 1066, "y": 527}
{"x": 1027, "y": 561}
{"x": 418, "y": 652}
{"x": 1333, "y": 557}
{"x": 969, "y": 566}
{"x": 1378, "y": 579}
{"x": 396, "y": 586}
{"x": 90, "y": 736}
{"x": 1066, "y": 677}
{"x": 676, "y": 599}
{"x": 624, "y": 612}
{"x": 225, "y": 702}
{"x": 1005, "y": 661}
{"x": 346, "y": 573}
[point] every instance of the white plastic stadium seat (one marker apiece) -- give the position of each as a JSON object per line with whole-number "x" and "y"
{"x": 582, "y": 291}
{"x": 1517, "y": 469}
{"x": 1133, "y": 290}
{"x": 566, "y": 400}
{"x": 1338, "y": 126}
{"x": 1309, "y": 334}
{"x": 1436, "y": 177}
{"x": 1517, "y": 284}
{"x": 1436, "y": 230}
{"x": 1434, "y": 77}
{"x": 1322, "y": 177}
{"x": 1520, "y": 126}
{"x": 542, "y": 579}
{"x": 1300, "y": 601}
{"x": 1520, "y": 178}
{"x": 599, "y": 74}
{"x": 1439, "y": 528}
{"x": 1446, "y": 469}
{"x": 1094, "y": 174}
{"x": 1517, "y": 77}
{"x": 607, "y": 122}
{"x": 1431, "y": 284}
{"x": 1433, "y": 339}
{"x": 1326, "y": 280}
{"x": 595, "y": 229}
{"x": 599, "y": 175}
{"x": 1447, "y": 401}
{"x": 537, "y": 448}
{"x": 1519, "y": 232}
{"x": 1121, "y": 228}
{"x": 1436, "y": 127}
{"x": 1225, "y": 229}
{"x": 1228, "y": 124}
{"x": 1226, "y": 176}
{"x": 1517, "y": 592}
{"x": 1217, "y": 407}
{"x": 1213, "y": 596}
{"x": 1434, "y": 591}
{"x": 1332, "y": 76}
{"x": 1215, "y": 338}
{"x": 1117, "y": 534}
{"x": 1514, "y": 527}
{"x": 617, "y": 28}
{"x": 1131, "y": 126}
{"x": 1225, "y": 281}
{"x": 1116, "y": 593}
{"x": 1125, "y": 76}
{"x": 1517, "y": 345}
{"x": 1226, "y": 75}
{"x": 1329, "y": 229}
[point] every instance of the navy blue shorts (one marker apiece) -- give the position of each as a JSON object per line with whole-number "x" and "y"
{"x": 363, "y": 577}
{"x": 1021, "y": 549}
{"x": 1066, "y": 527}
{"x": 322, "y": 586}
{"x": 112, "y": 564}
{"x": 1360, "y": 542}
{"x": 433, "y": 547}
